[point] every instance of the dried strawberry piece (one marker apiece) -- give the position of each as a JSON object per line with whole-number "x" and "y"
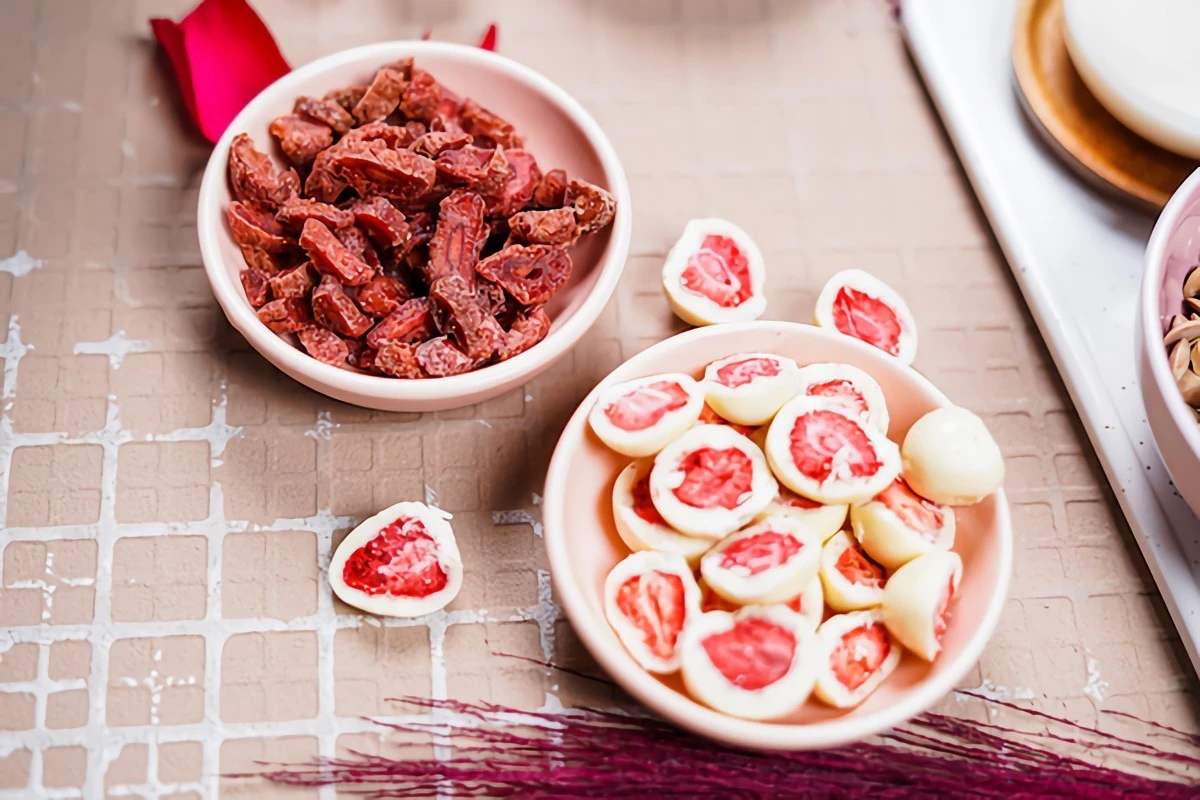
{"x": 440, "y": 358}
{"x": 523, "y": 178}
{"x": 257, "y": 287}
{"x": 269, "y": 263}
{"x": 420, "y": 230}
{"x": 286, "y": 315}
{"x": 357, "y": 243}
{"x": 321, "y": 184}
{"x": 412, "y": 322}
{"x": 481, "y": 123}
{"x": 434, "y": 142}
{"x": 256, "y": 230}
{"x": 382, "y": 295}
{"x": 395, "y": 136}
{"x": 347, "y": 98}
{"x": 484, "y": 170}
{"x": 296, "y": 211}
{"x": 381, "y": 221}
{"x": 398, "y": 360}
{"x": 530, "y": 273}
{"x": 422, "y": 96}
{"x": 526, "y": 331}
{"x": 446, "y": 121}
{"x": 458, "y": 312}
{"x": 594, "y": 207}
{"x": 296, "y": 282}
{"x": 326, "y": 112}
{"x": 372, "y": 168}
{"x": 552, "y": 226}
{"x": 382, "y": 96}
{"x": 491, "y": 296}
{"x": 551, "y": 191}
{"x": 333, "y": 309}
{"x": 300, "y": 139}
{"x": 459, "y": 236}
{"x": 255, "y": 179}
{"x": 331, "y": 257}
{"x": 324, "y": 345}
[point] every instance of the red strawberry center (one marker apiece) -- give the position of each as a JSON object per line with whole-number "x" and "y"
{"x": 401, "y": 560}
{"x": 753, "y": 654}
{"x": 719, "y": 271}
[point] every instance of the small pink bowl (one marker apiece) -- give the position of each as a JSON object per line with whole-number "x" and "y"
{"x": 1173, "y": 250}
{"x": 560, "y": 133}
{"x": 583, "y": 545}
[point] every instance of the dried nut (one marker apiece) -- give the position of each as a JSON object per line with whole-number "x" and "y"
{"x": 1188, "y": 330}
{"x": 1191, "y": 286}
{"x": 1189, "y": 387}
{"x": 1192, "y": 304}
{"x": 1179, "y": 358}
{"x": 1176, "y": 321}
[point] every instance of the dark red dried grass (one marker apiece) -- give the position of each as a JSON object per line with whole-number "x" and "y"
{"x": 504, "y": 752}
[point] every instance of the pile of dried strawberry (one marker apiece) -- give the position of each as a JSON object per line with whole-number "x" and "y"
{"x": 424, "y": 241}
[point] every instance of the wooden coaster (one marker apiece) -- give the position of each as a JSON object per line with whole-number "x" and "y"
{"x": 1071, "y": 119}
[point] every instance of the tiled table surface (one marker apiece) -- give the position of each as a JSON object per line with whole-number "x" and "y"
{"x": 167, "y": 498}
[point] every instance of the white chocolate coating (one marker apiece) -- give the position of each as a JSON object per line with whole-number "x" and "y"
{"x": 890, "y": 538}
{"x": 809, "y": 604}
{"x": 649, "y": 440}
{"x": 841, "y": 593}
{"x": 435, "y": 525}
{"x": 829, "y": 688}
{"x": 757, "y": 578}
{"x": 643, "y": 563}
{"x": 715, "y": 521}
{"x": 840, "y": 485}
{"x": 638, "y": 533}
{"x": 698, "y": 309}
{"x": 951, "y": 458}
{"x": 912, "y": 598}
{"x": 756, "y": 401}
{"x": 708, "y": 685}
{"x": 814, "y": 376}
{"x": 823, "y": 520}
{"x": 871, "y": 286}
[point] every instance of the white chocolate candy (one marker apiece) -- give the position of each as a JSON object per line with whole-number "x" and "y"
{"x": 951, "y": 458}
{"x": 860, "y": 305}
{"x": 748, "y": 388}
{"x": 758, "y": 663}
{"x": 402, "y": 562}
{"x": 823, "y": 520}
{"x": 817, "y": 451}
{"x": 771, "y": 561}
{"x": 856, "y": 392}
{"x": 710, "y": 481}
{"x": 650, "y": 599}
{"x": 851, "y": 580}
{"x": 861, "y": 654}
{"x": 715, "y": 273}
{"x": 640, "y": 417}
{"x": 898, "y": 525}
{"x": 809, "y": 604}
{"x": 917, "y": 598}
{"x": 640, "y": 525}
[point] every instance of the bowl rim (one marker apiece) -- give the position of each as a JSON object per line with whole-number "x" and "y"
{"x": 1150, "y": 318}
{"x": 292, "y": 360}
{"x": 691, "y": 714}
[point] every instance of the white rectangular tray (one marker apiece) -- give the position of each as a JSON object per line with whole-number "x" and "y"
{"x": 1054, "y": 230}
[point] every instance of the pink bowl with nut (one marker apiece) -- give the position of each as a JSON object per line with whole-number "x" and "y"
{"x": 559, "y": 133}
{"x": 584, "y": 545}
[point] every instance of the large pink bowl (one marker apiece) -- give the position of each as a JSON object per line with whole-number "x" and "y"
{"x": 583, "y": 545}
{"x": 1173, "y": 250}
{"x": 560, "y": 133}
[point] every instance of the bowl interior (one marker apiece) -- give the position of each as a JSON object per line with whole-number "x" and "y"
{"x": 582, "y": 537}
{"x": 553, "y": 136}
{"x": 1182, "y": 252}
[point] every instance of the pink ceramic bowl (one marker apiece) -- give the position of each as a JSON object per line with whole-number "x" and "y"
{"x": 1173, "y": 250}
{"x": 583, "y": 545}
{"x": 560, "y": 133}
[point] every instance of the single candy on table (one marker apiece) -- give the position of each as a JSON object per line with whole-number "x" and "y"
{"x": 757, "y": 663}
{"x": 951, "y": 458}
{"x": 650, "y": 599}
{"x": 715, "y": 273}
{"x": 860, "y": 305}
{"x": 402, "y": 562}
{"x": 861, "y": 655}
{"x": 916, "y": 601}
